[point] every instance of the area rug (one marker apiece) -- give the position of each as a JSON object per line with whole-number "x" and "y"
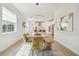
{"x": 26, "y": 50}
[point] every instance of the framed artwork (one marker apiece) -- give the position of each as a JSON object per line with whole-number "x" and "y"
{"x": 65, "y": 23}
{"x": 23, "y": 24}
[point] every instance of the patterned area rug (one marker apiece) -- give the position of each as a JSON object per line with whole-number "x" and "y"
{"x": 27, "y": 51}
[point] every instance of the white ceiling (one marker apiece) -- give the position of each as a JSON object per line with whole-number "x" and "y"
{"x": 44, "y": 9}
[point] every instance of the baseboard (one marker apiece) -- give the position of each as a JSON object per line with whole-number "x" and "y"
{"x": 21, "y": 40}
{"x": 64, "y": 50}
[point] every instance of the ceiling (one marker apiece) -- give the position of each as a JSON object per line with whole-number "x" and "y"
{"x": 43, "y": 9}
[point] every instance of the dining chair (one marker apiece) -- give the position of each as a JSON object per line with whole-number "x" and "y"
{"x": 38, "y": 43}
{"x": 26, "y": 38}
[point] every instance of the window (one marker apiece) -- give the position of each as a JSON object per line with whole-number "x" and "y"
{"x": 9, "y": 20}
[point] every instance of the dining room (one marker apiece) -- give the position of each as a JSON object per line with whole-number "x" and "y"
{"x": 39, "y": 29}
{"x": 39, "y": 35}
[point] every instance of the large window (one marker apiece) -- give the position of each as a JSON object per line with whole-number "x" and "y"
{"x": 9, "y": 20}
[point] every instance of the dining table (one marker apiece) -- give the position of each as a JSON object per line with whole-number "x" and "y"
{"x": 47, "y": 38}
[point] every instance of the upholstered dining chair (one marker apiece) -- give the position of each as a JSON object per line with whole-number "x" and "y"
{"x": 38, "y": 44}
{"x": 26, "y": 38}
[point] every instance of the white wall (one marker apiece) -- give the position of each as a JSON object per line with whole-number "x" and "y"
{"x": 68, "y": 39}
{"x": 7, "y": 39}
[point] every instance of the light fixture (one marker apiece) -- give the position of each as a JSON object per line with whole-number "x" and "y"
{"x": 37, "y": 4}
{"x": 37, "y": 17}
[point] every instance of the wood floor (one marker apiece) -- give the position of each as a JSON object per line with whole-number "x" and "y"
{"x": 12, "y": 50}
{"x": 64, "y": 50}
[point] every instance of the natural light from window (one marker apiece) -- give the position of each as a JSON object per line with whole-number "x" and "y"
{"x": 9, "y": 20}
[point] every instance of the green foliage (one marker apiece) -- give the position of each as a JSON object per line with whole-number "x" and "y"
{"x": 7, "y": 28}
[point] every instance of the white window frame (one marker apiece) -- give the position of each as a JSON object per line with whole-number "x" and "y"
{"x": 15, "y": 29}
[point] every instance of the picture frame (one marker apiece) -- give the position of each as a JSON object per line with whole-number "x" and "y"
{"x": 23, "y": 24}
{"x": 65, "y": 23}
